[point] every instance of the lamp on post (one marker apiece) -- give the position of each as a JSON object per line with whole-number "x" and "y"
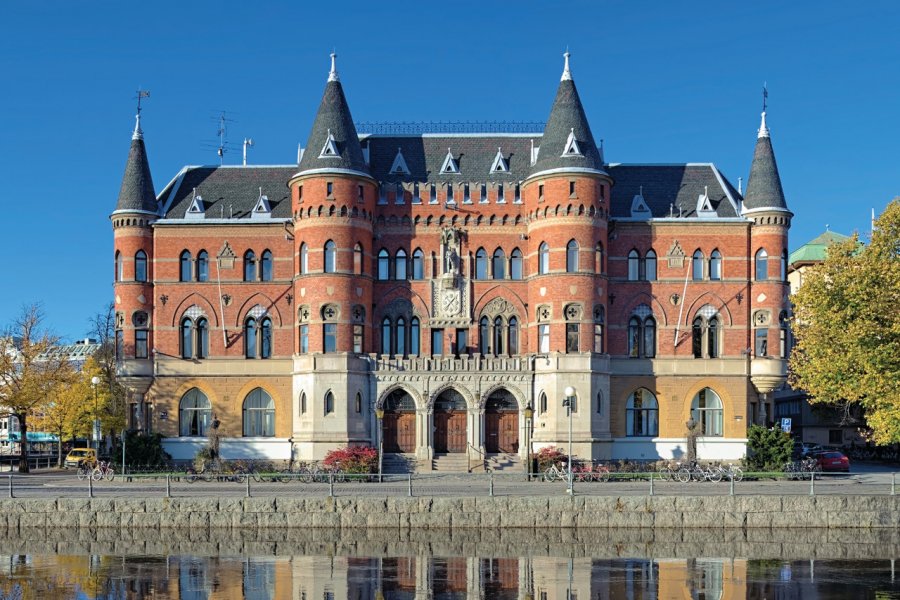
{"x": 529, "y": 415}
{"x": 568, "y": 401}
{"x": 379, "y": 414}
{"x": 95, "y": 381}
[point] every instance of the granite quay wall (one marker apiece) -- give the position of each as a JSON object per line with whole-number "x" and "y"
{"x": 587, "y": 512}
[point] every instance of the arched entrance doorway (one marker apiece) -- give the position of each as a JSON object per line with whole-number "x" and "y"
{"x": 450, "y": 422}
{"x": 501, "y": 423}
{"x": 399, "y": 423}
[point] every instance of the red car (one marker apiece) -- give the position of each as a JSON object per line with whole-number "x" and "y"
{"x": 833, "y": 461}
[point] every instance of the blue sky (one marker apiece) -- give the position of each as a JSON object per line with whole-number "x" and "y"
{"x": 661, "y": 82}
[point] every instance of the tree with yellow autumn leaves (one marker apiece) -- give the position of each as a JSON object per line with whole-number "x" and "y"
{"x": 847, "y": 326}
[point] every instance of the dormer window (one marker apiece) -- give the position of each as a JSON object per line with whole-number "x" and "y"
{"x": 197, "y": 210}
{"x": 399, "y": 166}
{"x": 639, "y": 208}
{"x": 450, "y": 165}
{"x": 329, "y": 150}
{"x": 572, "y": 148}
{"x": 704, "y": 206}
{"x": 500, "y": 165}
{"x": 262, "y": 209}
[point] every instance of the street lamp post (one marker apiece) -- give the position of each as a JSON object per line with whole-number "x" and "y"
{"x": 567, "y": 402}
{"x": 529, "y": 414}
{"x": 95, "y": 381}
{"x": 379, "y": 415}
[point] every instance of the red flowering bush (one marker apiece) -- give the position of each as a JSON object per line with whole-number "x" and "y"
{"x": 548, "y": 455}
{"x": 353, "y": 459}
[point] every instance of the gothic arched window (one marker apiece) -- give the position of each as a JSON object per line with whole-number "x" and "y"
{"x": 634, "y": 265}
{"x": 498, "y": 264}
{"x": 187, "y": 346}
{"x": 304, "y": 259}
{"x": 481, "y": 264}
{"x": 259, "y": 414}
{"x": 140, "y": 266}
{"x": 202, "y": 267}
{"x": 249, "y": 266}
{"x": 483, "y": 336}
{"x": 762, "y": 265}
{"x": 384, "y": 265}
{"x": 266, "y": 266}
{"x": 515, "y": 265}
{"x": 358, "y": 259}
{"x": 194, "y": 414}
{"x": 513, "y": 336}
{"x": 715, "y": 266}
{"x": 330, "y": 256}
{"x": 650, "y": 266}
{"x": 184, "y": 270}
{"x": 418, "y": 264}
{"x": 572, "y": 257}
{"x": 250, "y": 338}
{"x": 642, "y": 414}
{"x": 543, "y": 258}
{"x": 414, "y": 336}
{"x": 697, "y": 266}
{"x": 118, "y": 266}
{"x": 400, "y": 264}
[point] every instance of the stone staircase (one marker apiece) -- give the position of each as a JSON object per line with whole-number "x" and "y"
{"x": 505, "y": 462}
{"x": 397, "y": 464}
{"x": 450, "y": 463}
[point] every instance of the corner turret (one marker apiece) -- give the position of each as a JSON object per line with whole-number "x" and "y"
{"x": 137, "y": 193}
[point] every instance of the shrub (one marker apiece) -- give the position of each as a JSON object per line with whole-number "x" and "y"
{"x": 353, "y": 459}
{"x": 144, "y": 450}
{"x": 768, "y": 449}
{"x": 547, "y": 456}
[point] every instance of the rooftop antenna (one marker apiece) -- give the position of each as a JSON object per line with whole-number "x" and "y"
{"x": 741, "y": 186}
{"x": 248, "y": 143}
{"x": 138, "y": 133}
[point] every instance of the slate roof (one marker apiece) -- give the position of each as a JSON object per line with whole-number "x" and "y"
{"x": 664, "y": 185}
{"x": 229, "y": 192}
{"x": 566, "y": 116}
{"x": 137, "y": 192}
{"x": 333, "y": 116}
{"x": 764, "y": 185}
{"x": 474, "y": 154}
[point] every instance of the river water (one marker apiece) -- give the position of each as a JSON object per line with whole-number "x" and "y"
{"x": 505, "y": 564}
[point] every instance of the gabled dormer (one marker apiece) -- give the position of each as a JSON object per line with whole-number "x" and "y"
{"x": 500, "y": 164}
{"x": 639, "y": 208}
{"x": 450, "y": 166}
{"x": 399, "y": 167}
{"x": 197, "y": 208}
{"x": 330, "y": 149}
{"x": 705, "y": 208}
{"x": 262, "y": 209}
{"x": 572, "y": 149}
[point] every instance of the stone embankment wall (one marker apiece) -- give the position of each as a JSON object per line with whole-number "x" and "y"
{"x": 729, "y": 512}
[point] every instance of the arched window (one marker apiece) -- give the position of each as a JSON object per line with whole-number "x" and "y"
{"x": 250, "y": 338}
{"x": 304, "y": 259}
{"x": 784, "y": 265}
{"x": 194, "y": 414}
{"x": 783, "y": 325}
{"x": 202, "y": 266}
{"x": 697, "y": 266}
{"x": 634, "y": 265}
{"x": 187, "y": 346}
{"x": 650, "y": 266}
{"x": 358, "y": 259}
{"x": 634, "y": 337}
{"x": 386, "y": 336}
{"x": 400, "y": 265}
{"x": 715, "y": 266}
{"x": 483, "y": 336}
{"x": 249, "y": 266}
{"x": 184, "y": 271}
{"x": 599, "y": 403}
{"x": 140, "y": 266}
{"x": 259, "y": 414}
{"x": 543, "y": 259}
{"x": 358, "y": 405}
{"x": 598, "y": 259}
{"x": 498, "y": 265}
{"x": 697, "y": 338}
{"x": 481, "y": 264}
{"x": 649, "y": 347}
{"x": 498, "y": 336}
{"x": 418, "y": 264}
{"x": 599, "y": 323}
{"x": 265, "y": 266}
{"x": 118, "y": 263}
{"x": 712, "y": 338}
{"x": 302, "y": 403}
{"x": 330, "y": 256}
{"x": 515, "y": 265}
{"x": 414, "y": 336}
{"x": 762, "y": 265}
{"x": 642, "y": 333}
{"x": 572, "y": 257}
{"x": 265, "y": 341}
{"x": 329, "y": 403}
{"x": 706, "y": 409}
{"x": 642, "y": 414}
{"x": 542, "y": 403}
{"x": 384, "y": 265}
{"x": 202, "y": 338}
{"x": 513, "y": 337}
{"x": 401, "y": 336}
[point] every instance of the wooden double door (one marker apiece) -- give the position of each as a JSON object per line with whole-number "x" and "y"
{"x": 501, "y": 431}
{"x": 449, "y": 431}
{"x": 399, "y": 432}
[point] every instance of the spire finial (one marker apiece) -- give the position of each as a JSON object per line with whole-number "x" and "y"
{"x": 763, "y": 130}
{"x": 333, "y": 74}
{"x": 138, "y": 133}
{"x": 567, "y": 74}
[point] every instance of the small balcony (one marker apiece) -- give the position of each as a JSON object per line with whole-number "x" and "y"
{"x": 451, "y": 364}
{"x": 768, "y": 373}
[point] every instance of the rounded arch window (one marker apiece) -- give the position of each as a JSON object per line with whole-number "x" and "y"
{"x": 118, "y": 263}
{"x": 330, "y": 256}
{"x": 304, "y": 259}
{"x": 634, "y": 265}
{"x": 384, "y": 262}
{"x": 650, "y": 266}
{"x": 418, "y": 264}
{"x": 358, "y": 259}
{"x": 194, "y": 414}
{"x": 762, "y": 264}
{"x": 481, "y": 264}
{"x": 259, "y": 414}
{"x": 329, "y": 403}
{"x": 715, "y": 265}
{"x": 642, "y": 414}
{"x": 140, "y": 266}
{"x": 707, "y": 412}
{"x": 572, "y": 256}
{"x": 543, "y": 258}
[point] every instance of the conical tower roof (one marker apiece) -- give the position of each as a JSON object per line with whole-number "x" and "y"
{"x": 137, "y": 193}
{"x": 567, "y": 143}
{"x": 333, "y": 143}
{"x": 764, "y": 186}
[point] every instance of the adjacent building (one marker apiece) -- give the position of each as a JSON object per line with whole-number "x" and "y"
{"x": 427, "y": 290}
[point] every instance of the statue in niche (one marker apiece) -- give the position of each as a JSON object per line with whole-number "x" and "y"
{"x": 450, "y": 240}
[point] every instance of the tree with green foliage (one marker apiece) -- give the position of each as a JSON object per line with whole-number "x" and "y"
{"x": 768, "y": 449}
{"x": 847, "y": 326}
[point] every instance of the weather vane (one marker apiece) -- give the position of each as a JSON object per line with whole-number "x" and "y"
{"x": 765, "y": 96}
{"x": 140, "y": 95}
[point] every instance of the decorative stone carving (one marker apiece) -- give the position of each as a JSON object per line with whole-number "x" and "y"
{"x": 499, "y": 307}
{"x": 761, "y": 318}
{"x": 303, "y": 313}
{"x": 675, "y": 256}
{"x": 226, "y": 256}
{"x": 573, "y": 312}
{"x": 331, "y": 312}
{"x": 543, "y": 312}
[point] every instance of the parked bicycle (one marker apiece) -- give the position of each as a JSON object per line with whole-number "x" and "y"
{"x": 557, "y": 472}
{"x": 103, "y": 470}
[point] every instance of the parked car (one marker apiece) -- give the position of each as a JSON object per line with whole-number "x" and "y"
{"x": 805, "y": 449}
{"x": 833, "y": 461}
{"x": 76, "y": 456}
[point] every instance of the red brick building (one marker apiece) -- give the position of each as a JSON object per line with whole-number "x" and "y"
{"x": 451, "y": 280}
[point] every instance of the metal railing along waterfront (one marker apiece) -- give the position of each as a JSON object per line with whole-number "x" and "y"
{"x": 181, "y": 484}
